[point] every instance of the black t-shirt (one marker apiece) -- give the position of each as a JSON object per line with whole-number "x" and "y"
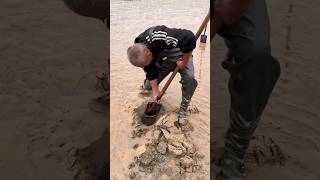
{"x": 164, "y": 38}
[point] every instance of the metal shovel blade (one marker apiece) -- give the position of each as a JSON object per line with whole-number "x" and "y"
{"x": 150, "y": 115}
{"x": 203, "y": 38}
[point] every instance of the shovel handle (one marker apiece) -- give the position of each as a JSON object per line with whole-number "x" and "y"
{"x": 168, "y": 83}
{"x": 203, "y": 25}
{"x": 176, "y": 70}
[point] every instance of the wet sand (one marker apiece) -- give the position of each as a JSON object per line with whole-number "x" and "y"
{"x": 47, "y": 78}
{"x": 49, "y": 59}
{"x": 292, "y": 116}
{"x": 126, "y": 79}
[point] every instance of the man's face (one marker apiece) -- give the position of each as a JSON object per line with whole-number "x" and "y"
{"x": 147, "y": 59}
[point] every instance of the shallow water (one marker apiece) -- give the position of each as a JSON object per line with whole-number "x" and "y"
{"x": 128, "y": 20}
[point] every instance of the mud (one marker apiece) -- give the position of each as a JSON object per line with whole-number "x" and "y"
{"x": 91, "y": 162}
{"x": 167, "y": 152}
{"x": 126, "y": 79}
{"x": 265, "y": 151}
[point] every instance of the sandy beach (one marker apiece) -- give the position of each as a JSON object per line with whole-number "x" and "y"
{"x": 50, "y": 57}
{"x": 47, "y": 79}
{"x": 292, "y": 116}
{"x": 126, "y": 79}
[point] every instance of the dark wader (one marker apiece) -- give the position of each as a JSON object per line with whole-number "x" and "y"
{"x": 253, "y": 74}
{"x": 188, "y": 80}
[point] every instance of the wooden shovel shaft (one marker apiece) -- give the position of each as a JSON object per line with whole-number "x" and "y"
{"x": 168, "y": 83}
{"x": 203, "y": 25}
{"x": 176, "y": 70}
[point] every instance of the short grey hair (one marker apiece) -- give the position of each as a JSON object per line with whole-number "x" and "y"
{"x": 137, "y": 53}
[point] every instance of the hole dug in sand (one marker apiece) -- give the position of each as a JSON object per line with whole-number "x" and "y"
{"x": 167, "y": 153}
{"x": 139, "y": 128}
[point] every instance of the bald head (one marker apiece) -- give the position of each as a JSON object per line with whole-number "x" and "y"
{"x": 139, "y": 55}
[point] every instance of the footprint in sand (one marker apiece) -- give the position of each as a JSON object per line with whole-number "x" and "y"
{"x": 264, "y": 151}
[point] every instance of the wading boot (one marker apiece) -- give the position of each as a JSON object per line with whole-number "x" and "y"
{"x": 182, "y": 123}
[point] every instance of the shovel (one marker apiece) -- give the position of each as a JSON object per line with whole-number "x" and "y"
{"x": 153, "y": 108}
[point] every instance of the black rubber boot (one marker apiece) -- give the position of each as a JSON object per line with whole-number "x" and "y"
{"x": 250, "y": 86}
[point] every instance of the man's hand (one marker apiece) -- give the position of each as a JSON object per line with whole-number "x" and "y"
{"x": 155, "y": 96}
{"x": 181, "y": 64}
{"x": 230, "y": 11}
{"x": 184, "y": 60}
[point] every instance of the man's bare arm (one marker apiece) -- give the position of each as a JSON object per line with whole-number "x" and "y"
{"x": 184, "y": 60}
{"x": 155, "y": 88}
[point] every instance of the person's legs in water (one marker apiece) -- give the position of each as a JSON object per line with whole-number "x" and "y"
{"x": 253, "y": 74}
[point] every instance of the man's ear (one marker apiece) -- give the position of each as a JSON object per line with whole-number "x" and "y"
{"x": 150, "y": 55}
{"x": 149, "y": 58}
